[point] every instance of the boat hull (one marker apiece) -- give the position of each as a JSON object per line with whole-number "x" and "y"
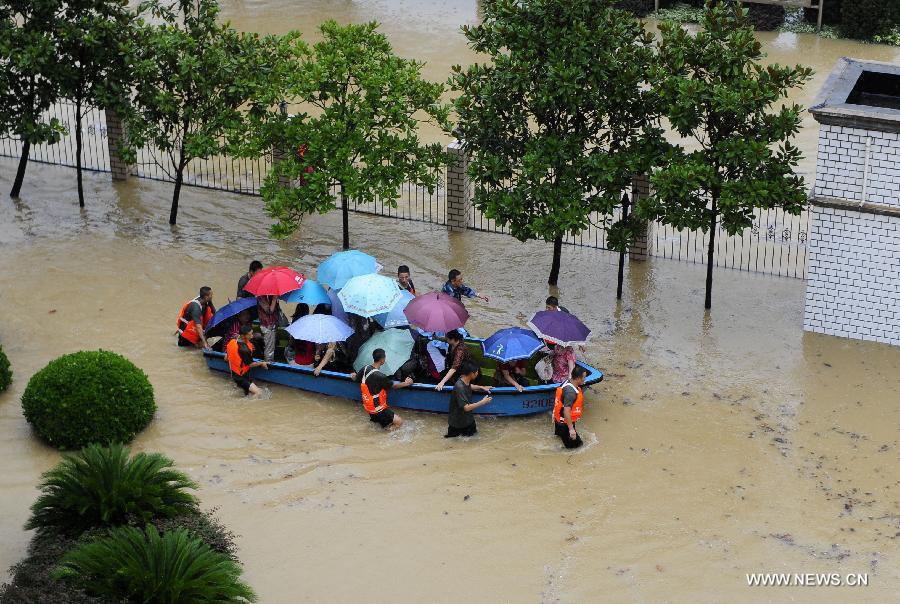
{"x": 418, "y": 397}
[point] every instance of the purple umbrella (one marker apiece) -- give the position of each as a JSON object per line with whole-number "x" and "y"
{"x": 559, "y": 327}
{"x": 337, "y": 309}
{"x": 436, "y": 311}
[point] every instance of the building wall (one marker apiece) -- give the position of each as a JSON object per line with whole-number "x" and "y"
{"x": 841, "y": 165}
{"x": 853, "y": 287}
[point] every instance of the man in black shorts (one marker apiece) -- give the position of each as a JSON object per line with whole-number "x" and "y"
{"x": 461, "y": 419}
{"x": 374, "y": 385}
{"x": 239, "y": 353}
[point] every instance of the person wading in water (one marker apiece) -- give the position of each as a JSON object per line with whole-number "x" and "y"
{"x": 239, "y": 353}
{"x": 374, "y": 386}
{"x": 568, "y": 407}
{"x": 194, "y": 317}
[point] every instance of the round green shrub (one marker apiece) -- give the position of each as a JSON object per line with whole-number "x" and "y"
{"x": 5, "y": 371}
{"x": 88, "y": 397}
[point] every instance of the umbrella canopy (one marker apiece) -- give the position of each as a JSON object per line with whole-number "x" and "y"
{"x": 311, "y": 294}
{"x": 436, "y": 311}
{"x": 339, "y": 268}
{"x": 369, "y": 295}
{"x": 320, "y": 329}
{"x": 274, "y": 281}
{"x": 219, "y": 322}
{"x": 397, "y": 345}
{"x": 511, "y": 344}
{"x": 395, "y": 316}
{"x": 337, "y": 309}
{"x": 559, "y": 327}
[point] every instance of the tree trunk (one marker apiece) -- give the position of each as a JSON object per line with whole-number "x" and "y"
{"x": 557, "y": 254}
{"x": 622, "y": 251}
{"x": 179, "y": 177}
{"x": 78, "y": 134}
{"x": 20, "y": 172}
{"x": 345, "y": 217}
{"x": 710, "y": 254}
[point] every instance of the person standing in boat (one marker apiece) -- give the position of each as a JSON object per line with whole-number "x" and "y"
{"x": 269, "y": 317}
{"x": 552, "y": 304}
{"x": 568, "y": 407}
{"x": 255, "y": 267}
{"x": 457, "y": 354}
{"x": 373, "y": 385}
{"x": 403, "y": 280}
{"x": 461, "y": 419}
{"x": 239, "y": 353}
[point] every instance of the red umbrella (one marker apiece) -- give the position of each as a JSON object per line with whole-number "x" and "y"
{"x": 436, "y": 311}
{"x": 275, "y": 281}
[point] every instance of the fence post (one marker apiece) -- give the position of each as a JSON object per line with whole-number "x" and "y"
{"x": 458, "y": 204}
{"x": 279, "y": 155}
{"x": 115, "y": 134}
{"x": 641, "y": 248}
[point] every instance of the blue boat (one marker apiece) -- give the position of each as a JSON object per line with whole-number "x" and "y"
{"x": 418, "y": 397}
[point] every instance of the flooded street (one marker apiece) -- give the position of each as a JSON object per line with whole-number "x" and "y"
{"x": 718, "y": 445}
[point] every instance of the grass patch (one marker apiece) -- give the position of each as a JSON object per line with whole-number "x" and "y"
{"x": 680, "y": 13}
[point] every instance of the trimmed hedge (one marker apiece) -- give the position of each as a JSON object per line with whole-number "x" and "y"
{"x": 88, "y": 397}
{"x": 5, "y": 371}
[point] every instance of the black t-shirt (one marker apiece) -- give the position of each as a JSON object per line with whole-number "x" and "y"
{"x": 461, "y": 396}
{"x": 376, "y": 381}
{"x": 242, "y": 283}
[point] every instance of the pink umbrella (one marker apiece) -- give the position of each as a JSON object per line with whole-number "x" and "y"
{"x": 436, "y": 311}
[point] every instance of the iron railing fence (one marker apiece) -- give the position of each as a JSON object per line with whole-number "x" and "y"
{"x": 775, "y": 244}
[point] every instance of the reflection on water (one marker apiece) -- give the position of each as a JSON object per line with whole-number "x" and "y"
{"x": 720, "y": 443}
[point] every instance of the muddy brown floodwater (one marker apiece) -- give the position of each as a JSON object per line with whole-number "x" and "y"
{"x": 718, "y": 445}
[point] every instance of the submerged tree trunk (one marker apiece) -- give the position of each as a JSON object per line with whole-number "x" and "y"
{"x": 345, "y": 218}
{"x": 179, "y": 178}
{"x": 78, "y": 134}
{"x": 20, "y": 172}
{"x": 557, "y": 254}
{"x": 710, "y": 253}
{"x": 623, "y": 249}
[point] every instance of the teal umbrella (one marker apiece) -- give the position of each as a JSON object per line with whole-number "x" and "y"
{"x": 369, "y": 295}
{"x": 397, "y": 345}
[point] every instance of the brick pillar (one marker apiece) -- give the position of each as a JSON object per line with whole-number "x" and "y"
{"x": 278, "y": 155}
{"x": 642, "y": 247}
{"x": 458, "y": 203}
{"x": 115, "y": 134}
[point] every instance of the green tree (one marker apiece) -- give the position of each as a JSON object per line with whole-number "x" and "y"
{"x": 736, "y": 155}
{"x": 558, "y": 121}
{"x": 366, "y": 104}
{"x": 93, "y": 67}
{"x": 191, "y": 78}
{"x": 29, "y": 75}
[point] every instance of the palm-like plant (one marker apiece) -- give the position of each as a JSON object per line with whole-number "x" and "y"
{"x": 101, "y": 486}
{"x": 143, "y": 566}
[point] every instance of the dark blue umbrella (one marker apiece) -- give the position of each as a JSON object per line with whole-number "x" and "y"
{"x": 219, "y": 323}
{"x": 511, "y": 344}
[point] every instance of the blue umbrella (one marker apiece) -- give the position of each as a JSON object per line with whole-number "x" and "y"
{"x": 395, "y": 316}
{"x": 343, "y": 266}
{"x": 337, "y": 309}
{"x": 219, "y": 321}
{"x": 320, "y": 329}
{"x": 311, "y": 294}
{"x": 511, "y": 344}
{"x": 369, "y": 295}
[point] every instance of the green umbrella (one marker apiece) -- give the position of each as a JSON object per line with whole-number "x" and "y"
{"x": 397, "y": 345}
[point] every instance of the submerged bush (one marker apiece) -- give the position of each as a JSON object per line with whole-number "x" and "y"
{"x": 143, "y": 566}
{"x": 101, "y": 486}
{"x": 5, "y": 371}
{"x": 863, "y": 19}
{"x": 88, "y": 397}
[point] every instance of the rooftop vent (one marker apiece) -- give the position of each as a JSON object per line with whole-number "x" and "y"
{"x": 875, "y": 89}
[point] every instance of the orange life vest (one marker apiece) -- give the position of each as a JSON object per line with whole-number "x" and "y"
{"x": 376, "y": 403}
{"x": 577, "y": 406}
{"x": 233, "y": 354}
{"x": 187, "y": 328}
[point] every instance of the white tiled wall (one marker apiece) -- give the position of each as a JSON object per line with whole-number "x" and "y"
{"x": 853, "y": 287}
{"x": 841, "y": 165}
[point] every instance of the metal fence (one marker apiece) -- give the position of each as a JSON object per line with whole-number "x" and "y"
{"x": 775, "y": 244}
